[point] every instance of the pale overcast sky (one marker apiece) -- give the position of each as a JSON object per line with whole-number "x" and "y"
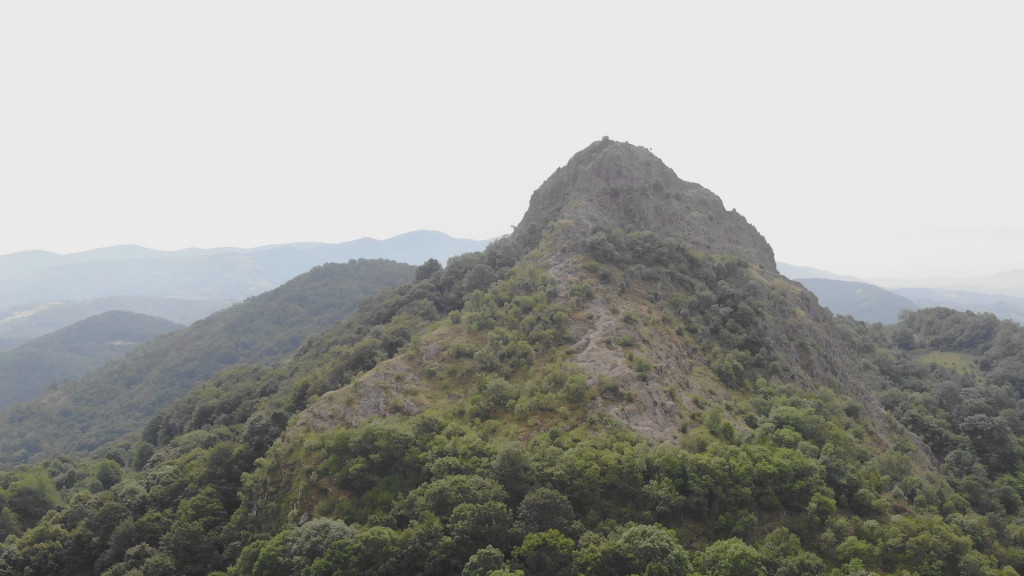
{"x": 865, "y": 138}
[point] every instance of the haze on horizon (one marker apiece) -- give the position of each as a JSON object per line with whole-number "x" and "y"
{"x": 874, "y": 140}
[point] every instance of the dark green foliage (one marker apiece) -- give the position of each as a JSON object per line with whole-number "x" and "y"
{"x": 974, "y": 407}
{"x": 41, "y": 552}
{"x": 429, "y": 493}
{"x": 485, "y": 561}
{"x": 291, "y": 551}
{"x": 545, "y": 509}
{"x": 30, "y": 496}
{"x": 547, "y": 553}
{"x": 653, "y": 550}
{"x": 108, "y": 473}
{"x": 633, "y": 549}
{"x": 949, "y": 330}
{"x": 731, "y": 557}
{"x": 374, "y": 551}
{"x": 428, "y": 269}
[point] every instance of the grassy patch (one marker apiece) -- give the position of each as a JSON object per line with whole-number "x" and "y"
{"x": 952, "y": 360}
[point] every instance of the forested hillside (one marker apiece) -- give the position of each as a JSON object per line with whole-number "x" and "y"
{"x": 78, "y": 416}
{"x": 625, "y": 385}
{"x": 72, "y": 352}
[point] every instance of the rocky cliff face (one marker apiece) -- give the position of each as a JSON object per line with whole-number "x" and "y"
{"x": 621, "y": 185}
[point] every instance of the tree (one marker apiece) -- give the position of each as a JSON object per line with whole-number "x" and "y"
{"x": 372, "y": 551}
{"x": 730, "y": 557}
{"x": 544, "y": 509}
{"x": 473, "y": 526}
{"x": 108, "y": 473}
{"x": 312, "y": 539}
{"x": 653, "y": 546}
{"x": 40, "y": 551}
{"x": 261, "y": 431}
{"x": 191, "y": 549}
{"x": 545, "y": 554}
{"x": 31, "y": 496}
{"x": 441, "y": 496}
{"x": 188, "y": 541}
{"x": 485, "y": 562}
{"x": 512, "y": 467}
{"x": 427, "y": 269}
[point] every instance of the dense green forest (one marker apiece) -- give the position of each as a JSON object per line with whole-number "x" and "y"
{"x": 502, "y": 464}
{"x": 588, "y": 396}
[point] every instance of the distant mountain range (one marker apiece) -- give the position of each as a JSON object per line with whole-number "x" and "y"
{"x": 1009, "y": 283}
{"x": 41, "y": 292}
{"x": 882, "y": 300}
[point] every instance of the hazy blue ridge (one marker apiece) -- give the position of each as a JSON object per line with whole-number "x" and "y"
{"x": 863, "y": 301}
{"x": 217, "y": 274}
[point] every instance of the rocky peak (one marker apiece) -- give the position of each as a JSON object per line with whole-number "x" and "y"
{"x": 621, "y": 185}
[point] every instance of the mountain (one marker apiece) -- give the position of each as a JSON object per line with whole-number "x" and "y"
{"x": 71, "y": 352}
{"x": 624, "y": 385}
{"x": 1008, "y": 283}
{"x": 81, "y": 415}
{"x": 872, "y": 303}
{"x": 21, "y": 324}
{"x": 861, "y": 300}
{"x": 223, "y": 274}
{"x": 628, "y": 312}
{"x": 1002, "y": 305}
{"x": 795, "y": 272}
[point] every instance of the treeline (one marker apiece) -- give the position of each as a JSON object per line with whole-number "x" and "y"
{"x": 431, "y": 495}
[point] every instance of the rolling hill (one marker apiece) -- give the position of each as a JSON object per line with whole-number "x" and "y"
{"x": 72, "y": 352}
{"x": 861, "y": 300}
{"x": 22, "y": 324}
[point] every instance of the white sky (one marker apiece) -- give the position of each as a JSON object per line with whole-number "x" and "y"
{"x": 864, "y": 138}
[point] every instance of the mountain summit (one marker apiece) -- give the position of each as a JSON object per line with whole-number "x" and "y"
{"x": 639, "y": 283}
{"x": 617, "y": 184}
